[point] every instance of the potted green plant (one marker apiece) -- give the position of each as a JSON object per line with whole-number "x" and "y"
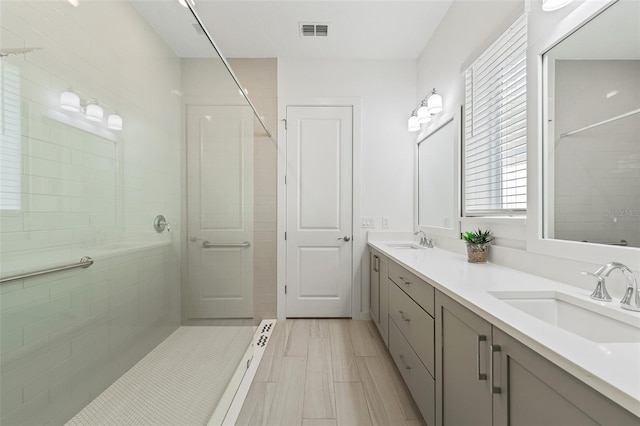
{"x": 477, "y": 245}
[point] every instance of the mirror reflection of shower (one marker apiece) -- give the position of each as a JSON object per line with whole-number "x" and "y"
{"x": 592, "y": 188}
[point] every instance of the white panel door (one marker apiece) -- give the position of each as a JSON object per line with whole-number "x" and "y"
{"x": 220, "y": 211}
{"x": 319, "y": 211}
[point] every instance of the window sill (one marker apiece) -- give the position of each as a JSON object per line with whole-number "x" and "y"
{"x": 515, "y": 219}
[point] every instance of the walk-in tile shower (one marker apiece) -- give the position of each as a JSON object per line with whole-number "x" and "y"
{"x": 105, "y": 125}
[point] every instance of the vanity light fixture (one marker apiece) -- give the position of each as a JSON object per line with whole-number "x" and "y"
{"x": 551, "y": 5}
{"x": 434, "y": 103}
{"x": 431, "y": 105}
{"x": 414, "y": 124}
{"x": 70, "y": 101}
{"x": 423, "y": 113}
{"x": 94, "y": 112}
{"x": 114, "y": 122}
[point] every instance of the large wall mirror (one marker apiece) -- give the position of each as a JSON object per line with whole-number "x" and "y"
{"x": 591, "y": 131}
{"x": 437, "y": 194}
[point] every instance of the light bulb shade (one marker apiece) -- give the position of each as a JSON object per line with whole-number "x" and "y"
{"x": 114, "y": 122}
{"x": 423, "y": 113}
{"x": 184, "y": 2}
{"x": 550, "y": 5}
{"x": 70, "y": 101}
{"x": 434, "y": 103}
{"x": 94, "y": 112}
{"x": 413, "y": 125}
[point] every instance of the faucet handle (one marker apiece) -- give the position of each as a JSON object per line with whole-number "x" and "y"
{"x": 600, "y": 293}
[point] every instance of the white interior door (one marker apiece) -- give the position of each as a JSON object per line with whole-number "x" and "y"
{"x": 319, "y": 211}
{"x": 220, "y": 211}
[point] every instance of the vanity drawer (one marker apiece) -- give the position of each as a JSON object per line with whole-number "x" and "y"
{"x": 416, "y": 325}
{"x": 415, "y": 287}
{"x": 415, "y": 375}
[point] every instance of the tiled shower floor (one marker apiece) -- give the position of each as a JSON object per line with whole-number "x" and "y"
{"x": 178, "y": 383}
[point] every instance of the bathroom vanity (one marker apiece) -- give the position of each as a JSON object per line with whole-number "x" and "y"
{"x": 473, "y": 348}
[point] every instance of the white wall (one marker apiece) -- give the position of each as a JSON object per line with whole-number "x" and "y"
{"x": 387, "y": 94}
{"x": 467, "y": 29}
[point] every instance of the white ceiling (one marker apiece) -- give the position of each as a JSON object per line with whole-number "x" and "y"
{"x": 360, "y": 29}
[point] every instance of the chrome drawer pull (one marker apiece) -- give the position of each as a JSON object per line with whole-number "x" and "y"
{"x": 406, "y": 367}
{"x": 404, "y": 282}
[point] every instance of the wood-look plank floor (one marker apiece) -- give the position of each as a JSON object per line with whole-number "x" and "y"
{"x": 335, "y": 372}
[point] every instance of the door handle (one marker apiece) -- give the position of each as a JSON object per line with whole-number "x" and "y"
{"x": 346, "y": 238}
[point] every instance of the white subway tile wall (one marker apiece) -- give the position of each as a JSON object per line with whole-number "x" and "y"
{"x": 597, "y": 172}
{"x": 69, "y": 188}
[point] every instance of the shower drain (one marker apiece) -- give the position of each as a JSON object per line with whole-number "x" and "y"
{"x": 267, "y": 328}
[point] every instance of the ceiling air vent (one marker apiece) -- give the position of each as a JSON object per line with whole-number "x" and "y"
{"x": 314, "y": 30}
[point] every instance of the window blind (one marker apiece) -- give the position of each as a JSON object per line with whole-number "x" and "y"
{"x": 10, "y": 131}
{"x": 495, "y": 151}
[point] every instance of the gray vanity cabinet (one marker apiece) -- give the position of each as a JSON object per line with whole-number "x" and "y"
{"x": 378, "y": 293}
{"x": 411, "y": 335}
{"x": 517, "y": 387}
{"x": 530, "y": 390}
{"x": 463, "y": 395}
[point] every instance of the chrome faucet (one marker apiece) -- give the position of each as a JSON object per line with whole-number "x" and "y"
{"x": 631, "y": 299}
{"x": 424, "y": 241}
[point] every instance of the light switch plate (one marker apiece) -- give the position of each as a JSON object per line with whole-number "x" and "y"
{"x": 385, "y": 222}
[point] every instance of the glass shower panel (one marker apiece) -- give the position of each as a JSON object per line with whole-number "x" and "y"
{"x": 89, "y": 155}
{"x": 77, "y": 183}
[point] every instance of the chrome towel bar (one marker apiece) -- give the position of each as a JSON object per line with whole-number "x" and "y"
{"x": 207, "y": 244}
{"x": 622, "y": 243}
{"x": 85, "y": 262}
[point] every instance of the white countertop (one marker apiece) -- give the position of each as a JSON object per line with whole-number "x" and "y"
{"x": 611, "y": 368}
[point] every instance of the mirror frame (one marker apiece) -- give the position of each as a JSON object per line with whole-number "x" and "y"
{"x": 435, "y": 125}
{"x": 536, "y": 148}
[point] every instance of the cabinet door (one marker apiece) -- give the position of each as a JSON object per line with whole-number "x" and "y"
{"x": 374, "y": 290}
{"x": 463, "y": 396}
{"x": 534, "y": 391}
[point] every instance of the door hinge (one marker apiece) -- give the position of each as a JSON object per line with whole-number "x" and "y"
{"x": 285, "y": 236}
{"x": 285, "y": 179}
{"x": 285, "y": 289}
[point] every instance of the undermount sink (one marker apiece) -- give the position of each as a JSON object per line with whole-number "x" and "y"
{"x": 410, "y": 246}
{"x": 589, "y": 320}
